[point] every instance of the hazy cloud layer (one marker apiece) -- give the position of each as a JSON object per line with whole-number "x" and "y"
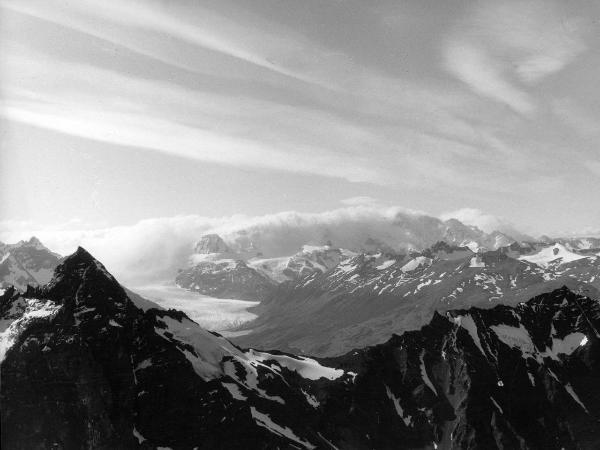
{"x": 431, "y": 105}
{"x": 154, "y": 249}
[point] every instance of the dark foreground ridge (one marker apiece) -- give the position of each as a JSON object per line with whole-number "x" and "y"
{"x": 84, "y": 366}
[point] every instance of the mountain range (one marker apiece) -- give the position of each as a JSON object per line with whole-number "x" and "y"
{"x": 26, "y": 263}
{"x": 326, "y": 300}
{"x": 85, "y": 364}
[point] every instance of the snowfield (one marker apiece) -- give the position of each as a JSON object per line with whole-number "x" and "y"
{"x": 548, "y": 255}
{"x": 214, "y": 314}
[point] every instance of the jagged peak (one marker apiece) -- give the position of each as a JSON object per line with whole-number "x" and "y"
{"x": 32, "y": 242}
{"x": 211, "y": 243}
{"x": 81, "y": 255}
{"x": 79, "y": 263}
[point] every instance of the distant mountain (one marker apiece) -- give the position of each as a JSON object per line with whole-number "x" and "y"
{"x": 365, "y": 298}
{"x": 288, "y": 253}
{"x": 217, "y": 271}
{"x": 308, "y": 260}
{"x": 26, "y": 263}
{"x": 589, "y": 244}
{"x": 84, "y": 366}
{"x": 397, "y": 232}
{"x": 211, "y": 243}
{"x": 226, "y": 278}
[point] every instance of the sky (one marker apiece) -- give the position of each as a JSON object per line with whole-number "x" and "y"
{"x": 117, "y": 112}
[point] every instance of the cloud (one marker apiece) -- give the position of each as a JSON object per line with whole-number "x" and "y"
{"x": 204, "y": 28}
{"x": 361, "y": 200}
{"x": 504, "y": 46}
{"x": 486, "y": 222}
{"x": 475, "y": 67}
{"x": 576, "y": 117}
{"x": 241, "y": 130}
{"x": 153, "y": 249}
{"x": 593, "y": 166}
{"x": 283, "y": 100}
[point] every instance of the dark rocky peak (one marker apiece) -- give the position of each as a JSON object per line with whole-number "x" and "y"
{"x": 211, "y": 243}
{"x": 442, "y": 248}
{"x": 81, "y": 281}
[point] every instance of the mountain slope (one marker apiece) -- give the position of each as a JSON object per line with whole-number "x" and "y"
{"x": 26, "y": 262}
{"x": 366, "y": 298}
{"x": 84, "y": 367}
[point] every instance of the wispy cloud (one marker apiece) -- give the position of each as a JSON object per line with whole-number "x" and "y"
{"x": 103, "y": 105}
{"x": 474, "y": 66}
{"x": 503, "y": 47}
{"x": 239, "y": 88}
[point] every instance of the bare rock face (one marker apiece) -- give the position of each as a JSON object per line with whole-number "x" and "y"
{"x": 211, "y": 243}
{"x": 84, "y": 366}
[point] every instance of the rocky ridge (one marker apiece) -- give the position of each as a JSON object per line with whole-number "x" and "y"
{"x": 83, "y": 366}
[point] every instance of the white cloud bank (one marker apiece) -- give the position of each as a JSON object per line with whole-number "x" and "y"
{"x": 485, "y": 222}
{"x": 153, "y": 249}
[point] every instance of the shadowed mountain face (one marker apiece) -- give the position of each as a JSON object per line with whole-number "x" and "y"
{"x": 86, "y": 365}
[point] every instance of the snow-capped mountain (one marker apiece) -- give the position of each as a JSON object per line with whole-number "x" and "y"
{"x": 217, "y": 271}
{"x": 247, "y": 255}
{"x": 86, "y": 365}
{"x": 308, "y": 260}
{"x": 589, "y": 244}
{"x": 393, "y": 232}
{"x": 26, "y": 263}
{"x": 363, "y": 299}
{"x": 226, "y": 278}
{"x": 211, "y": 243}
{"x": 556, "y": 254}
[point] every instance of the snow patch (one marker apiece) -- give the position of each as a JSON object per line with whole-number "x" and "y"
{"x": 305, "y": 367}
{"x": 553, "y": 254}
{"x": 496, "y": 405}
{"x": 515, "y": 337}
{"x": 476, "y": 261}
{"x": 263, "y": 420}
{"x": 424, "y": 374}
{"x": 572, "y": 393}
{"x": 414, "y": 264}
{"x": 138, "y": 435}
{"x": 399, "y": 410}
{"x": 208, "y": 349}
{"x": 34, "y": 310}
{"x": 468, "y": 324}
{"x": 235, "y": 391}
{"x": 311, "y": 399}
{"x": 386, "y": 264}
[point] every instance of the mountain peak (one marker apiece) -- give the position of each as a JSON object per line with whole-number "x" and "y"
{"x": 211, "y": 243}
{"x": 78, "y": 265}
{"x": 33, "y": 242}
{"x": 81, "y": 255}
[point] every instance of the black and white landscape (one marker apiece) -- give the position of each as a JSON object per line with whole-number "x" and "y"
{"x": 337, "y": 225}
